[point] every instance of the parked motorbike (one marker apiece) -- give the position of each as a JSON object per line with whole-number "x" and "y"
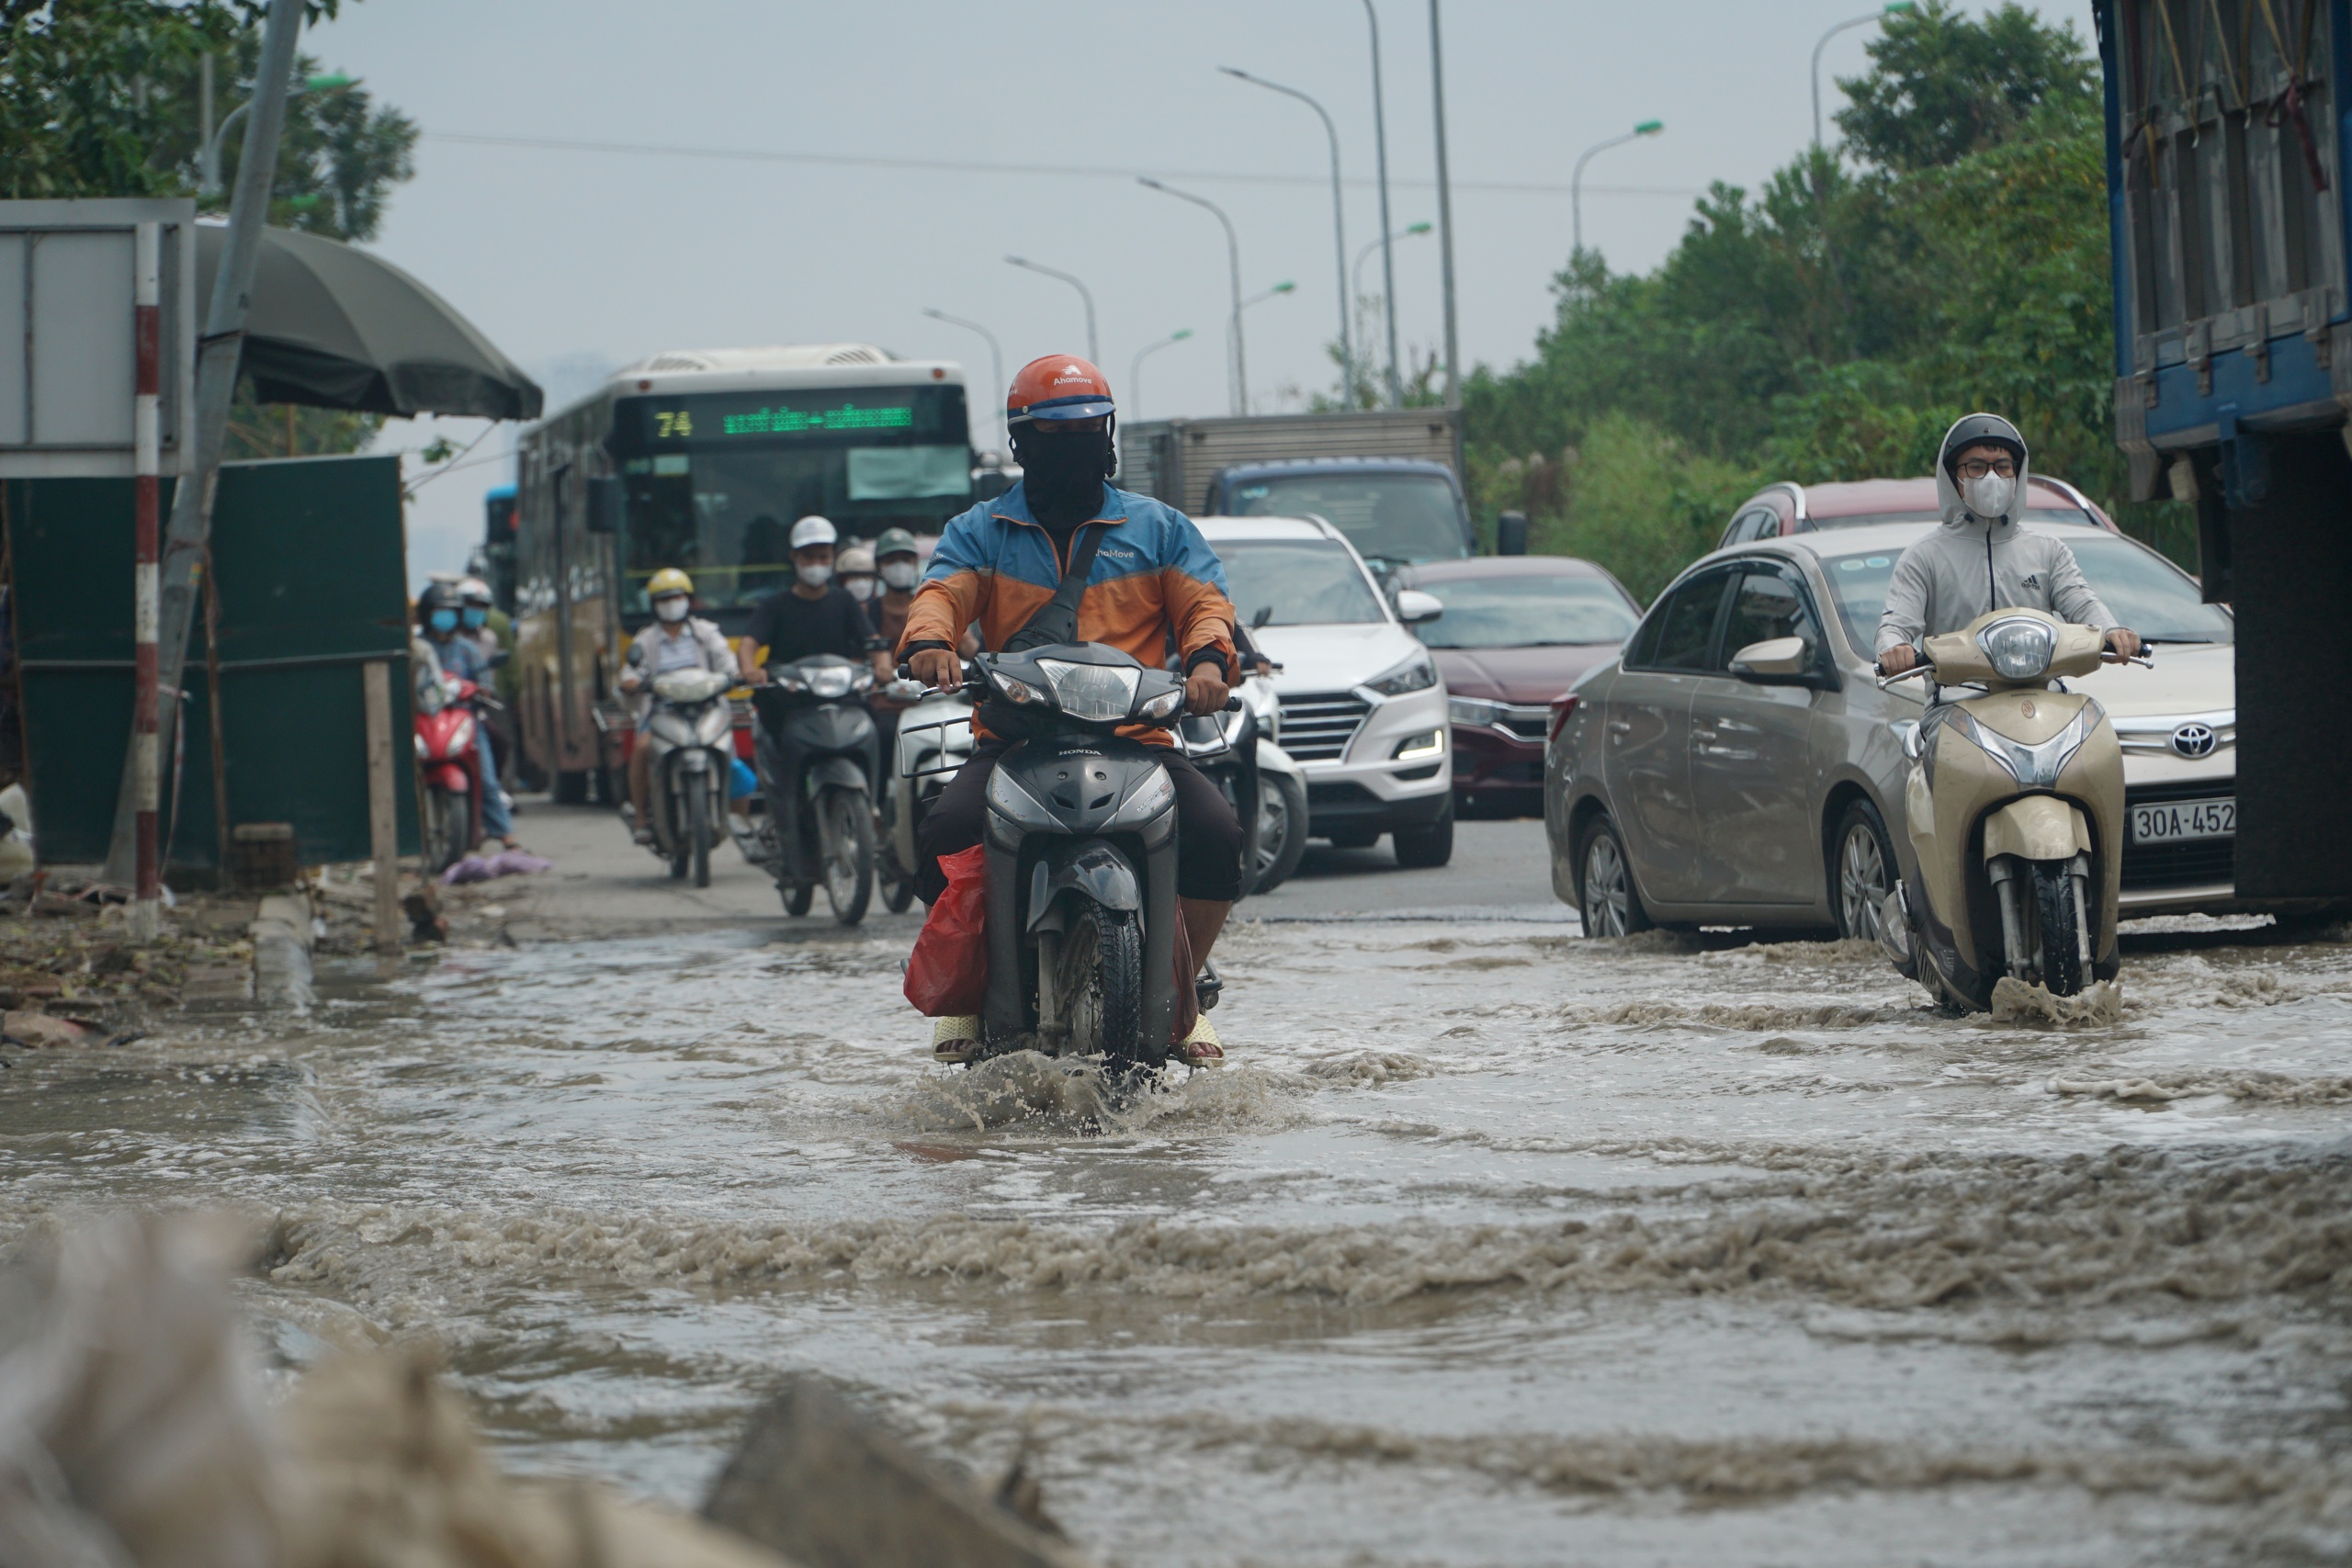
{"x": 815, "y": 750}
{"x": 935, "y": 739}
{"x": 449, "y": 713}
{"x": 690, "y": 733}
{"x": 1236, "y": 750}
{"x": 1080, "y": 859}
{"x": 2014, "y": 807}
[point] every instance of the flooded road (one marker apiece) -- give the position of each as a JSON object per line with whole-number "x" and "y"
{"x": 1492, "y": 1245}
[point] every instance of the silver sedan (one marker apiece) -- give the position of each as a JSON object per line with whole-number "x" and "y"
{"x": 1694, "y": 781}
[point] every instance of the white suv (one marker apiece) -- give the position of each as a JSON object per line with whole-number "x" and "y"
{"x": 1362, "y": 706}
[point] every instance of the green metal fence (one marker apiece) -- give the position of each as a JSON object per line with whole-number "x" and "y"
{"x": 312, "y": 577}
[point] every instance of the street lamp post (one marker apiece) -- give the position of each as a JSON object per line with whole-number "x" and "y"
{"x": 1093, "y": 353}
{"x": 1384, "y": 246}
{"x": 1339, "y": 222}
{"x": 1445, "y": 212}
{"x": 1238, "y": 367}
{"x": 1135, "y": 368}
{"x": 207, "y": 162}
{"x": 1576, "y": 182}
{"x": 1388, "y": 253}
{"x": 1898, "y": 9}
{"x": 996, "y": 364}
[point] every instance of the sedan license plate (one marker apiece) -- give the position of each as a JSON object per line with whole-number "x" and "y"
{"x": 2173, "y": 821}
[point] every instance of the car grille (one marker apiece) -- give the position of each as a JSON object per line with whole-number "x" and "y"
{"x": 2195, "y": 863}
{"x": 1317, "y": 727}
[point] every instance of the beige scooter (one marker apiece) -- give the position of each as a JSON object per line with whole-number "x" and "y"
{"x": 2015, "y": 810}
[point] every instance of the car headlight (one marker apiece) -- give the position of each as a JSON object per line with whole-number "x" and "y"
{"x": 1163, "y": 705}
{"x": 1020, "y": 692}
{"x": 1415, "y": 674}
{"x": 1472, "y": 710}
{"x": 2021, "y": 649}
{"x": 1428, "y": 743}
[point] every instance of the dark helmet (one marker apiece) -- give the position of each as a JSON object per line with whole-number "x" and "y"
{"x": 437, "y": 595}
{"x": 1980, "y": 430}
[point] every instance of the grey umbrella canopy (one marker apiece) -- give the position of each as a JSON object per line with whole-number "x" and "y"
{"x": 335, "y": 327}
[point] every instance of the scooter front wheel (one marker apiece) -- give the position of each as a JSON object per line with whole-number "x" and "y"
{"x": 845, "y": 841}
{"x": 2059, "y": 927}
{"x": 698, "y": 830}
{"x": 1101, "y": 974}
{"x": 798, "y": 900}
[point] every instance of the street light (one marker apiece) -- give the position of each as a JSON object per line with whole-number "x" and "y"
{"x": 207, "y": 163}
{"x": 1237, "y": 369}
{"x": 996, "y": 363}
{"x": 1093, "y": 352}
{"x": 1896, "y": 9}
{"x": 1387, "y": 253}
{"x": 1384, "y": 246}
{"x": 1445, "y": 212}
{"x": 1576, "y": 182}
{"x": 1135, "y": 369}
{"x": 1338, "y": 222}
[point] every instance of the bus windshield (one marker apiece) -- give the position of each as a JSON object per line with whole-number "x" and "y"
{"x": 1391, "y": 519}
{"x": 714, "y": 480}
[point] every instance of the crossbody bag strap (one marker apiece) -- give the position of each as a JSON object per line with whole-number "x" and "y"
{"x": 1057, "y": 619}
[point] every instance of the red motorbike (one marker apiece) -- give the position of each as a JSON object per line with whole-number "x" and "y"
{"x": 448, "y": 764}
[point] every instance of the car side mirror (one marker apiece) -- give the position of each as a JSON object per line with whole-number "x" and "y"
{"x": 1510, "y": 534}
{"x": 1415, "y": 606}
{"x": 1775, "y": 661}
{"x": 604, "y": 502}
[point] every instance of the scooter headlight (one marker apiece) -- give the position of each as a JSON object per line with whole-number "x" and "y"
{"x": 832, "y": 680}
{"x": 1095, "y": 692}
{"x": 2018, "y": 649}
{"x": 1163, "y": 705}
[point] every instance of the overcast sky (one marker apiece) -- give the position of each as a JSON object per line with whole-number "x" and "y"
{"x": 577, "y": 261}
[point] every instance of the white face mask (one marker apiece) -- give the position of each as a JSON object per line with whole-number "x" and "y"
{"x": 816, "y": 576}
{"x": 901, "y": 574}
{"x": 861, "y": 589}
{"x": 1989, "y": 497}
{"x": 673, "y": 608}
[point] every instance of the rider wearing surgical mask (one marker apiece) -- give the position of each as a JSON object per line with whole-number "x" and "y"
{"x": 676, "y": 639}
{"x": 853, "y": 569}
{"x": 1981, "y": 559}
{"x": 815, "y": 615}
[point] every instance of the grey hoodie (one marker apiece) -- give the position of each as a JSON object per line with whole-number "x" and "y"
{"x": 1969, "y": 565}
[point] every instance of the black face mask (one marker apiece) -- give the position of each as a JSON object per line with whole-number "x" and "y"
{"x": 1063, "y": 473}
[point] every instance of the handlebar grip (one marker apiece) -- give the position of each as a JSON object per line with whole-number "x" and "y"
{"x": 1233, "y": 705}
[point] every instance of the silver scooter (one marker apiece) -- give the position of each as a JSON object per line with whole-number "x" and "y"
{"x": 935, "y": 739}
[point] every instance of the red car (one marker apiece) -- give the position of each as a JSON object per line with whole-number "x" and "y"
{"x": 1517, "y": 632}
{"x": 1779, "y": 509}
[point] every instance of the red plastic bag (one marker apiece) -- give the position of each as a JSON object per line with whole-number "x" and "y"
{"x": 947, "y": 977}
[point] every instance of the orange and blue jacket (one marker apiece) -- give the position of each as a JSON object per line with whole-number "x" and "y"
{"x": 1153, "y": 575}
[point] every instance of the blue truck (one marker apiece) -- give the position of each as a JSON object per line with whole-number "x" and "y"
{"x": 2227, "y": 140}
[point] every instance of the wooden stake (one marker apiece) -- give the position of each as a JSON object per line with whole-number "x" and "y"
{"x": 383, "y": 831}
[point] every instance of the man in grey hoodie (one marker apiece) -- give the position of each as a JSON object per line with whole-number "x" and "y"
{"x": 1980, "y": 559}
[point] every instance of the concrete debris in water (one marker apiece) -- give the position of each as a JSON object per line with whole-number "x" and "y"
{"x": 2099, "y": 1005}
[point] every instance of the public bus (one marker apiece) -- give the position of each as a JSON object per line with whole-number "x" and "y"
{"x": 703, "y": 461}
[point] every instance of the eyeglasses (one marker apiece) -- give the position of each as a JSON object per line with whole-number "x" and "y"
{"x": 1977, "y": 468}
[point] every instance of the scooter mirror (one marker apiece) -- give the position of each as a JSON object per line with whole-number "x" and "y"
{"x": 1774, "y": 659}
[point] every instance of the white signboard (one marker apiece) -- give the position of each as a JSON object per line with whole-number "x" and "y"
{"x": 69, "y": 351}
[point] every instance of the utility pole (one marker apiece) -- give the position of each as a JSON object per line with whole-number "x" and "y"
{"x": 222, "y": 339}
{"x": 1575, "y": 181}
{"x": 1445, "y": 212}
{"x": 1388, "y": 233}
{"x": 1093, "y": 353}
{"x": 1135, "y": 370}
{"x": 996, "y": 368}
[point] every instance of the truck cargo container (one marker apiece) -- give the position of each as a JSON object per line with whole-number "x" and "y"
{"x": 2227, "y": 140}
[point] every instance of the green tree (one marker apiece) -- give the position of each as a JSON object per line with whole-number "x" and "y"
{"x": 1942, "y": 85}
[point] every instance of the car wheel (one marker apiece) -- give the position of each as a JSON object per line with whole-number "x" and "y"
{"x": 1861, "y": 870}
{"x": 1421, "y": 848}
{"x": 1607, "y": 900}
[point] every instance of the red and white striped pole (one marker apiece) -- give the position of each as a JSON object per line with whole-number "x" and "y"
{"x": 146, "y": 912}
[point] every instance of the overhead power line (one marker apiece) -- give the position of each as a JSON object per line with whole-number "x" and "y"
{"x": 977, "y": 166}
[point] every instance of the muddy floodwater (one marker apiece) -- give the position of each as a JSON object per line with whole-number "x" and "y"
{"x": 1492, "y": 1245}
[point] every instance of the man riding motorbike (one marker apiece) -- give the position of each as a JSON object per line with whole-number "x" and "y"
{"x": 458, "y": 654}
{"x": 1980, "y": 559}
{"x": 814, "y": 616}
{"x": 678, "y": 640}
{"x": 1153, "y": 577}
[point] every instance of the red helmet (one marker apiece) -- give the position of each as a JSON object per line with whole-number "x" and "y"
{"x": 1058, "y": 386}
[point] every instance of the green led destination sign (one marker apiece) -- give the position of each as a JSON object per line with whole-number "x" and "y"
{"x": 923, "y": 415}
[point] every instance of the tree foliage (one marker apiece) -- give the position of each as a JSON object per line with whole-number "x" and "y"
{"x": 1833, "y": 324}
{"x": 102, "y": 97}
